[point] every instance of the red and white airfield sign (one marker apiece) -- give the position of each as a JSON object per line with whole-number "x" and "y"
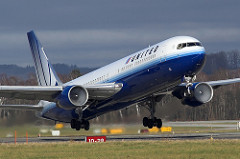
{"x": 95, "y": 139}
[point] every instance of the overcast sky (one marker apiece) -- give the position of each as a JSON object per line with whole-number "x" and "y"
{"x": 93, "y": 33}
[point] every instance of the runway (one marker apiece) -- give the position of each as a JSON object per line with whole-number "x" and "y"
{"x": 194, "y": 136}
{"x": 225, "y": 129}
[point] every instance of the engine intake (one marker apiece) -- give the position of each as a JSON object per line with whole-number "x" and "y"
{"x": 203, "y": 92}
{"x": 78, "y": 96}
{"x": 72, "y": 97}
{"x": 200, "y": 93}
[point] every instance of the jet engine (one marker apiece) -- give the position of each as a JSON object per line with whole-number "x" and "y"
{"x": 200, "y": 93}
{"x": 203, "y": 92}
{"x": 72, "y": 97}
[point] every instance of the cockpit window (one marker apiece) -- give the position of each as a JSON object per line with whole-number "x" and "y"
{"x": 179, "y": 46}
{"x": 182, "y": 45}
{"x": 191, "y": 44}
{"x": 198, "y": 44}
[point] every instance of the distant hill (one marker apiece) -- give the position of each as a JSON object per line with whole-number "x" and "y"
{"x": 24, "y": 72}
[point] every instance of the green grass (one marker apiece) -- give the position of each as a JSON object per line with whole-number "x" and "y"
{"x": 197, "y": 149}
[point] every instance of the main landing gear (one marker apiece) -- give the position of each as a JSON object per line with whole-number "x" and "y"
{"x": 152, "y": 120}
{"x": 79, "y": 123}
{"x": 150, "y": 123}
{"x": 76, "y": 124}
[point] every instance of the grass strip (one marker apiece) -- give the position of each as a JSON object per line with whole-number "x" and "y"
{"x": 196, "y": 149}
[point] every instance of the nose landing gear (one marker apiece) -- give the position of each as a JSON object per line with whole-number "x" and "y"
{"x": 189, "y": 80}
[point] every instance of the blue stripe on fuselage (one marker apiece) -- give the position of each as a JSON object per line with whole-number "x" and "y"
{"x": 151, "y": 63}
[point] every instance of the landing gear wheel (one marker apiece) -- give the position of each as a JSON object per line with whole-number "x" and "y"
{"x": 73, "y": 123}
{"x": 86, "y": 125}
{"x": 152, "y": 120}
{"x": 145, "y": 121}
{"x": 78, "y": 125}
{"x": 150, "y": 123}
{"x": 159, "y": 123}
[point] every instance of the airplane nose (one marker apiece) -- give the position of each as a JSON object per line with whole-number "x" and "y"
{"x": 200, "y": 60}
{"x": 197, "y": 63}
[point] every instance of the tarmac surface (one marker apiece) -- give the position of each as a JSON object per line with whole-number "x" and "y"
{"x": 219, "y": 125}
{"x": 196, "y": 136}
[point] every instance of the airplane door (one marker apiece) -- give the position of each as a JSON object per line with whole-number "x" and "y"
{"x": 163, "y": 54}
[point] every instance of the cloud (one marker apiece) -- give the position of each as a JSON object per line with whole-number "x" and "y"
{"x": 99, "y": 47}
{"x": 94, "y": 33}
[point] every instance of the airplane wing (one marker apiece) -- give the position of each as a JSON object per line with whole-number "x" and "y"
{"x": 30, "y": 92}
{"x": 37, "y": 107}
{"x": 49, "y": 93}
{"x": 21, "y": 107}
{"x": 216, "y": 84}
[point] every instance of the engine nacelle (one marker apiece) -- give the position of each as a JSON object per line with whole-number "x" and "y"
{"x": 203, "y": 92}
{"x": 200, "y": 93}
{"x": 72, "y": 97}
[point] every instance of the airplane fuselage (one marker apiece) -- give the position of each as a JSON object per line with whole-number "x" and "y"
{"x": 156, "y": 68}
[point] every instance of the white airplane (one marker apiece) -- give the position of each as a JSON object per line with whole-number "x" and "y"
{"x": 169, "y": 67}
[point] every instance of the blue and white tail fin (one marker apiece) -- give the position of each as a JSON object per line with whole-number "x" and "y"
{"x": 46, "y": 75}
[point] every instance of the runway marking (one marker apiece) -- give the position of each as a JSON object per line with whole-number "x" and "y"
{"x": 196, "y": 136}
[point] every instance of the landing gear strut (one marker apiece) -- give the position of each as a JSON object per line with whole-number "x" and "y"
{"x": 189, "y": 80}
{"x": 79, "y": 123}
{"x": 152, "y": 120}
